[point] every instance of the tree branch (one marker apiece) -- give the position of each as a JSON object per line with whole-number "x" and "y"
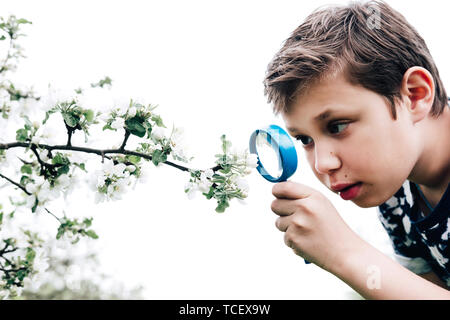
{"x": 102, "y": 153}
{"x": 125, "y": 139}
{"x": 16, "y": 184}
{"x": 69, "y": 134}
{"x": 5, "y": 249}
{"x": 51, "y": 167}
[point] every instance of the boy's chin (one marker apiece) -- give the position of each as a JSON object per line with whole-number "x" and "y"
{"x": 371, "y": 197}
{"x": 368, "y": 203}
{"x": 365, "y": 205}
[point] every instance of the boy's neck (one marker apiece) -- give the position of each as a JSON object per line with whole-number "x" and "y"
{"x": 432, "y": 170}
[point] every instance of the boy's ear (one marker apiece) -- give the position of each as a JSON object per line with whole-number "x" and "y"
{"x": 418, "y": 92}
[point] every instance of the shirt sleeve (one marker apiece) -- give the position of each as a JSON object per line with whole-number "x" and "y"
{"x": 409, "y": 250}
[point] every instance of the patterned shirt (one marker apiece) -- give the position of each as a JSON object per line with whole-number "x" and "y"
{"x": 420, "y": 242}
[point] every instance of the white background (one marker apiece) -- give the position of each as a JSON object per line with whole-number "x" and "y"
{"x": 203, "y": 63}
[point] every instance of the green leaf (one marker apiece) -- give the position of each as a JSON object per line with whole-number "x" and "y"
{"x": 225, "y": 144}
{"x": 31, "y": 254}
{"x": 59, "y": 158}
{"x": 222, "y": 206}
{"x": 24, "y": 180}
{"x": 63, "y": 170}
{"x": 87, "y": 222}
{"x": 89, "y": 115}
{"x": 82, "y": 166}
{"x": 133, "y": 159}
{"x": 22, "y": 21}
{"x": 102, "y": 82}
{"x": 27, "y": 169}
{"x": 218, "y": 178}
{"x": 157, "y": 119}
{"x": 91, "y": 234}
{"x": 21, "y": 274}
{"x": 36, "y": 202}
{"x": 61, "y": 230}
{"x": 135, "y": 126}
{"x": 28, "y": 122}
{"x": 158, "y": 156}
{"x": 22, "y": 135}
{"x": 71, "y": 119}
{"x": 210, "y": 194}
{"x": 48, "y": 113}
{"x": 225, "y": 171}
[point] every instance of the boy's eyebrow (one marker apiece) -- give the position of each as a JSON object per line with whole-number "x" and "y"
{"x": 324, "y": 115}
{"x": 321, "y": 117}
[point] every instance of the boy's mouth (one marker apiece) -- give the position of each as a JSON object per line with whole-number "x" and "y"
{"x": 351, "y": 191}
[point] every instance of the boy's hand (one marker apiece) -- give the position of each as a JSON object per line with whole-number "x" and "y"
{"x": 313, "y": 227}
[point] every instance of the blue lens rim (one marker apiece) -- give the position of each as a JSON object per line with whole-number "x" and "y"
{"x": 288, "y": 155}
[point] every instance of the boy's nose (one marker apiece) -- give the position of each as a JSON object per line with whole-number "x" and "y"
{"x": 325, "y": 159}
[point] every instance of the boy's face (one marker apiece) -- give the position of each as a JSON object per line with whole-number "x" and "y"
{"x": 357, "y": 141}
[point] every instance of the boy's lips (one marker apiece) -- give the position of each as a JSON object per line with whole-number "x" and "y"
{"x": 347, "y": 191}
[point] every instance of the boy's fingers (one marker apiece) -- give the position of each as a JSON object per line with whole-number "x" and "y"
{"x": 283, "y": 207}
{"x": 291, "y": 190}
{"x": 282, "y": 223}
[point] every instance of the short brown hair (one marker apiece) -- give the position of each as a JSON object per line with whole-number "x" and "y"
{"x": 341, "y": 39}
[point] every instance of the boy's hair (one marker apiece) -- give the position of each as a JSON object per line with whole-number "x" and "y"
{"x": 370, "y": 43}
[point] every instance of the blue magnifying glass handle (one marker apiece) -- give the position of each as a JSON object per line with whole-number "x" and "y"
{"x": 280, "y": 141}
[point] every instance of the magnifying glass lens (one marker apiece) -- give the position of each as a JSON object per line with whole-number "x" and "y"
{"x": 269, "y": 155}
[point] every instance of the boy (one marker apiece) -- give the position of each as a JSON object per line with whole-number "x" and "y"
{"x": 360, "y": 90}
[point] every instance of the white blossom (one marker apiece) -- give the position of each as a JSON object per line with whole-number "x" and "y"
{"x": 40, "y": 263}
{"x": 144, "y": 175}
{"x": 111, "y": 182}
{"x": 44, "y": 155}
{"x": 30, "y": 201}
{"x": 158, "y": 133}
{"x": 242, "y": 184}
{"x": 209, "y": 173}
{"x": 121, "y": 105}
{"x": 131, "y": 168}
{"x": 252, "y": 160}
{"x": 204, "y": 186}
{"x": 56, "y": 96}
{"x": 132, "y": 112}
{"x": 118, "y": 123}
{"x": 4, "y": 294}
{"x": 45, "y": 134}
{"x": 105, "y": 116}
{"x": 191, "y": 190}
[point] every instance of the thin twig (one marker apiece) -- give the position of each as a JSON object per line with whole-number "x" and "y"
{"x": 53, "y": 215}
{"x": 5, "y": 249}
{"x": 16, "y": 184}
{"x": 69, "y": 135}
{"x": 4, "y": 67}
{"x": 125, "y": 139}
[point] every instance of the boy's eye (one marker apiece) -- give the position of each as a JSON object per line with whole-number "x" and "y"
{"x": 335, "y": 128}
{"x": 304, "y": 139}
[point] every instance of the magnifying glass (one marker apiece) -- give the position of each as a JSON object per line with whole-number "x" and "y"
{"x": 277, "y": 157}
